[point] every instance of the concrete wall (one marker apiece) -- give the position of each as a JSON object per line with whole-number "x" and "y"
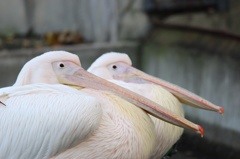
{"x": 12, "y": 61}
{"x": 104, "y": 20}
{"x": 223, "y": 21}
{"x": 205, "y": 66}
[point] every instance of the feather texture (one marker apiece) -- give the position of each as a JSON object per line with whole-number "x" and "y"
{"x": 44, "y": 124}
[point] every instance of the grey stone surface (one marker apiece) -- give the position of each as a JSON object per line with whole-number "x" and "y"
{"x": 55, "y": 15}
{"x": 203, "y": 65}
{"x": 95, "y": 20}
{"x": 134, "y": 25}
{"x": 13, "y": 17}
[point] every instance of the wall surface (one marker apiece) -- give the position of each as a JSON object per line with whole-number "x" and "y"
{"x": 99, "y": 21}
{"x": 205, "y": 66}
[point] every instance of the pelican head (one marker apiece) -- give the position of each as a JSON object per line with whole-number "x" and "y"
{"x": 117, "y": 66}
{"x": 39, "y": 69}
{"x": 61, "y": 67}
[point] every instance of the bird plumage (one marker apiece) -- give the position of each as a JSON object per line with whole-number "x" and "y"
{"x": 44, "y": 119}
{"x": 166, "y": 134}
{"x": 38, "y": 69}
{"x": 39, "y": 120}
{"x": 124, "y": 132}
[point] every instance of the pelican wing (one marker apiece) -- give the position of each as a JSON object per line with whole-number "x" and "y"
{"x": 40, "y": 120}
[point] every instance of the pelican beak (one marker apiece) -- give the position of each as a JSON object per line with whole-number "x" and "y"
{"x": 78, "y": 77}
{"x": 132, "y": 74}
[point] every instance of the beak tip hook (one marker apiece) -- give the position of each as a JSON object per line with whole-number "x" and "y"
{"x": 221, "y": 110}
{"x": 200, "y": 131}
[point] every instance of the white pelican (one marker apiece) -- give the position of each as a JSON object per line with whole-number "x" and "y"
{"x": 40, "y": 118}
{"x": 117, "y": 66}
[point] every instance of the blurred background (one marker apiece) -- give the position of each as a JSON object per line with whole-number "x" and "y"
{"x": 192, "y": 43}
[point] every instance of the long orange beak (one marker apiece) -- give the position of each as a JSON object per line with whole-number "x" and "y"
{"x": 78, "y": 77}
{"x": 132, "y": 74}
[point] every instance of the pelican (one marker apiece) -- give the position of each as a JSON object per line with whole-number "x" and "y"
{"x": 56, "y": 109}
{"x": 116, "y": 67}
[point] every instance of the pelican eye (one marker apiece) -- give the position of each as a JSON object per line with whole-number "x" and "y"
{"x": 61, "y": 65}
{"x": 114, "y": 67}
